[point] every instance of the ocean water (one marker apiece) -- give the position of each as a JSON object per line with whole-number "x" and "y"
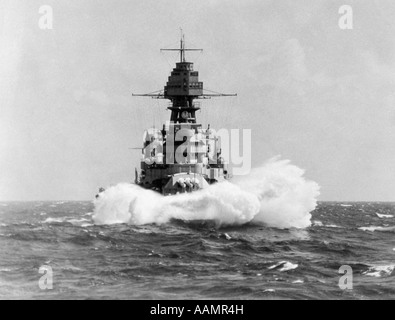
{"x": 263, "y": 236}
{"x": 196, "y": 259}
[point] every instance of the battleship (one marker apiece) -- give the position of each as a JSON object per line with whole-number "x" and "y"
{"x": 183, "y": 156}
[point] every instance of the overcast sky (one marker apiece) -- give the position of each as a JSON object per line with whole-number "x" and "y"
{"x": 313, "y": 93}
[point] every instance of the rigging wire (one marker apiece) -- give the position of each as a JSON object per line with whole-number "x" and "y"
{"x": 153, "y": 110}
{"x": 158, "y": 112}
{"x": 170, "y": 53}
{"x": 196, "y": 61}
{"x": 216, "y": 92}
{"x": 230, "y": 113}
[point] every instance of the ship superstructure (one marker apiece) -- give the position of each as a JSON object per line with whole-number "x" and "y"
{"x": 182, "y": 156}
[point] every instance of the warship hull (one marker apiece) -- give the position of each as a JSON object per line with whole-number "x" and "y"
{"x": 180, "y": 178}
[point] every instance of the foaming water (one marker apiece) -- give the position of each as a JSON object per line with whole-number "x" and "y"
{"x": 380, "y": 271}
{"x": 183, "y": 260}
{"x": 275, "y": 194}
{"x": 376, "y": 228}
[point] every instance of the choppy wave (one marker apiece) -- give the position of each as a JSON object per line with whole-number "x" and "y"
{"x": 332, "y": 226}
{"x": 82, "y": 222}
{"x": 380, "y": 271}
{"x": 275, "y": 194}
{"x": 53, "y": 220}
{"x": 298, "y": 281}
{"x": 284, "y": 266}
{"x": 384, "y": 215}
{"x": 376, "y": 228}
{"x": 183, "y": 259}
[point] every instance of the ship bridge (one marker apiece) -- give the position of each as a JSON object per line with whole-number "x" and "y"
{"x": 182, "y": 88}
{"x": 183, "y": 81}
